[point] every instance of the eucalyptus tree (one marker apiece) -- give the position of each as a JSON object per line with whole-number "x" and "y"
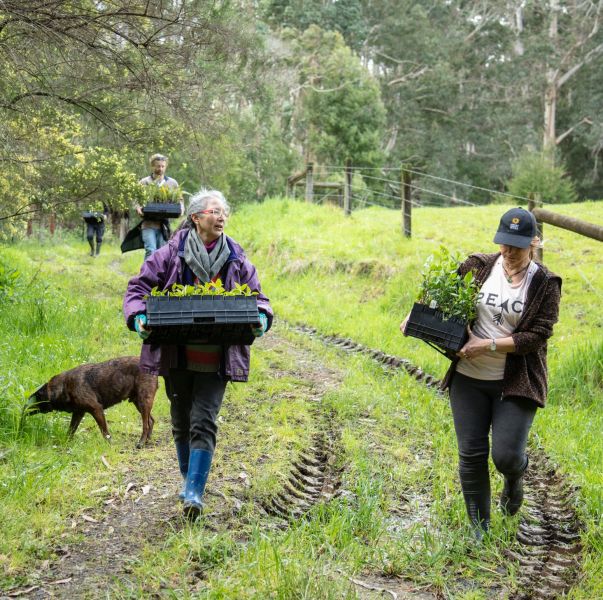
{"x": 469, "y": 85}
{"x": 437, "y": 65}
{"x": 337, "y": 112}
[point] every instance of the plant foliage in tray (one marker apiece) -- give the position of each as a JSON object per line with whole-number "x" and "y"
{"x": 211, "y": 288}
{"x": 446, "y": 303}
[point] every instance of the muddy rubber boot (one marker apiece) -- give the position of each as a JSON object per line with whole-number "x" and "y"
{"x": 478, "y": 509}
{"x": 511, "y": 498}
{"x": 91, "y": 242}
{"x": 475, "y": 483}
{"x": 182, "y": 452}
{"x": 98, "y": 247}
{"x": 198, "y": 471}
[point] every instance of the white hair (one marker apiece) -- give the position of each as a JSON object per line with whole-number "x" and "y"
{"x": 200, "y": 201}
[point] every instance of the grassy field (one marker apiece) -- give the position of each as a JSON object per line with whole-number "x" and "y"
{"x": 356, "y": 277}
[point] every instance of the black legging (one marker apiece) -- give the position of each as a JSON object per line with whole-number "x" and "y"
{"x": 477, "y": 407}
{"x": 97, "y": 229}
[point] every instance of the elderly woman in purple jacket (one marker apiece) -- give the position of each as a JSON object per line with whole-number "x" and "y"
{"x": 195, "y": 375}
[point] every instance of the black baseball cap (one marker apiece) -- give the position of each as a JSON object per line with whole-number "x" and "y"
{"x": 517, "y": 228}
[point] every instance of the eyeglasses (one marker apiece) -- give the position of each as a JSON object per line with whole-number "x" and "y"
{"x": 216, "y": 212}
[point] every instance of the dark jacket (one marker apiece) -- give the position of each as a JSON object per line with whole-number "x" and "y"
{"x": 133, "y": 238}
{"x": 165, "y": 267}
{"x": 525, "y": 373}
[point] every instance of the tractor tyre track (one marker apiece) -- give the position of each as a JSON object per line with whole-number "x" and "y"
{"x": 314, "y": 476}
{"x": 141, "y": 509}
{"x": 548, "y": 538}
{"x": 550, "y": 554}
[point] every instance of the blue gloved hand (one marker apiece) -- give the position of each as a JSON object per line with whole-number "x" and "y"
{"x": 259, "y": 331}
{"x": 139, "y": 322}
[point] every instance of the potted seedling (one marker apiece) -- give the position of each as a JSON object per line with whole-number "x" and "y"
{"x": 446, "y": 304}
{"x": 162, "y": 202}
{"x": 92, "y": 217}
{"x": 204, "y": 313}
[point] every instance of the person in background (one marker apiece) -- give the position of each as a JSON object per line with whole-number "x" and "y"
{"x": 196, "y": 375}
{"x": 95, "y": 228}
{"x": 155, "y": 233}
{"x": 499, "y": 377}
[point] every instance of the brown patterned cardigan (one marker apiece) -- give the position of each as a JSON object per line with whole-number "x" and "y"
{"x": 525, "y": 368}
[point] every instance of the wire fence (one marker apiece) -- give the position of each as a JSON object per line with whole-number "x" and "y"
{"x": 376, "y": 189}
{"x": 419, "y": 174}
{"x": 356, "y": 189}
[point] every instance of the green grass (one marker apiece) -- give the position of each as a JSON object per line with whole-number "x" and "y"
{"x": 64, "y": 312}
{"x": 401, "y": 513}
{"x": 358, "y": 277}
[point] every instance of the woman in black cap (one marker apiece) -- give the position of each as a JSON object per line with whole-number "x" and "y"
{"x": 499, "y": 377}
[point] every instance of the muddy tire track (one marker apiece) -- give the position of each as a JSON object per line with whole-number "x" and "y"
{"x": 549, "y": 545}
{"x": 550, "y": 548}
{"x": 313, "y": 478}
{"x": 386, "y": 360}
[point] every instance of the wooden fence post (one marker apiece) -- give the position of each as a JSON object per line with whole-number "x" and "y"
{"x": 406, "y": 202}
{"x": 534, "y": 202}
{"x": 309, "y": 182}
{"x": 347, "y": 188}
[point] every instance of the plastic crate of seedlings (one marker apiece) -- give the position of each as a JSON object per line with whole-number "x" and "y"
{"x": 162, "y": 210}
{"x": 446, "y": 304}
{"x": 430, "y": 325}
{"x": 92, "y": 217}
{"x": 205, "y": 319}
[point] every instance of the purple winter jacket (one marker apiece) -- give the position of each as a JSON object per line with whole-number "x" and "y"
{"x": 165, "y": 267}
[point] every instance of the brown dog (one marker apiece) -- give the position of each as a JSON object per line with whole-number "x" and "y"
{"x": 94, "y": 387}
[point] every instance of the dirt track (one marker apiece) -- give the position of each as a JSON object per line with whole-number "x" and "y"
{"x": 144, "y": 512}
{"x": 550, "y": 550}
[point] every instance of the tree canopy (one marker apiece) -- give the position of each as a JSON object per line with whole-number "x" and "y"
{"x": 240, "y": 94}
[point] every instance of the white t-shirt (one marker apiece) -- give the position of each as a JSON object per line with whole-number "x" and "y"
{"x": 499, "y": 309}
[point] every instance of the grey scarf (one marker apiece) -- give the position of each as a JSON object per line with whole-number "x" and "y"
{"x": 205, "y": 266}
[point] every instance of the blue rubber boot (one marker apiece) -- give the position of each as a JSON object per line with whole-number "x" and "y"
{"x": 198, "y": 470}
{"x": 182, "y": 451}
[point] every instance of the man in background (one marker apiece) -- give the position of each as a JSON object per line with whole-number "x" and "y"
{"x": 155, "y": 233}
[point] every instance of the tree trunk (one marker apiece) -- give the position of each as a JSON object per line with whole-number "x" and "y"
{"x": 550, "y": 109}
{"x": 550, "y": 92}
{"x": 518, "y": 48}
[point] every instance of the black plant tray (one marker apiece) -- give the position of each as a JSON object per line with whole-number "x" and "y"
{"x": 224, "y": 320}
{"x": 430, "y": 325}
{"x": 92, "y": 217}
{"x": 160, "y": 210}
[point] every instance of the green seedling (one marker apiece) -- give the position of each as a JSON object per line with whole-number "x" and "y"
{"x": 162, "y": 193}
{"x": 211, "y": 288}
{"x": 443, "y": 287}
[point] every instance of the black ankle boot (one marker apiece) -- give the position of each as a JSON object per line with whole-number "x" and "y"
{"x": 511, "y": 498}
{"x": 478, "y": 510}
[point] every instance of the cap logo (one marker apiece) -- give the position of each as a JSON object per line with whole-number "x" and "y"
{"x": 514, "y": 220}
